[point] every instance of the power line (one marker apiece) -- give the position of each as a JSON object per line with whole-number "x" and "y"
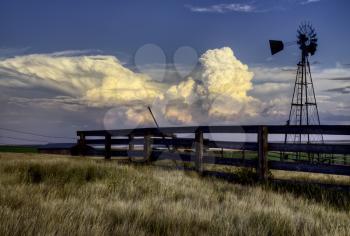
{"x": 23, "y": 139}
{"x": 18, "y": 145}
{"x": 35, "y": 134}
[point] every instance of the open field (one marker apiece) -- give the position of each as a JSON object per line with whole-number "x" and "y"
{"x": 18, "y": 149}
{"x": 51, "y": 194}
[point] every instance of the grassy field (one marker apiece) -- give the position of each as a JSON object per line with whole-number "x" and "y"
{"x": 18, "y": 149}
{"x": 50, "y": 194}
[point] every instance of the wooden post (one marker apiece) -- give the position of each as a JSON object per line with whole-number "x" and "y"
{"x": 108, "y": 146}
{"x": 174, "y": 148}
{"x": 199, "y": 150}
{"x": 81, "y": 144}
{"x": 147, "y": 147}
{"x": 262, "y": 153}
{"x": 131, "y": 145}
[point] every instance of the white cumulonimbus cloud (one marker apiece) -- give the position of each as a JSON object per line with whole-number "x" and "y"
{"x": 228, "y": 81}
{"x": 216, "y": 90}
{"x": 96, "y": 80}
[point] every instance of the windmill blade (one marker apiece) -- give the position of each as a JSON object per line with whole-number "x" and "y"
{"x": 276, "y": 46}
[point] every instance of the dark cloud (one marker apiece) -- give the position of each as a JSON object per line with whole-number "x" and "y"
{"x": 329, "y": 118}
{"x": 29, "y": 92}
{"x": 343, "y": 90}
{"x": 341, "y": 78}
{"x": 30, "y": 115}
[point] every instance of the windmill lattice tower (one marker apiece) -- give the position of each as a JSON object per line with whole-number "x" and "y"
{"x": 303, "y": 109}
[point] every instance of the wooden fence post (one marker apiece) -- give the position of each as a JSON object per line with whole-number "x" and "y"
{"x": 199, "y": 151}
{"x": 344, "y": 160}
{"x": 108, "y": 146}
{"x": 262, "y": 153}
{"x": 131, "y": 145}
{"x": 81, "y": 144}
{"x": 174, "y": 148}
{"x": 147, "y": 147}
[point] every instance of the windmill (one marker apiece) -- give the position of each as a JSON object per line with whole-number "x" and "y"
{"x": 303, "y": 109}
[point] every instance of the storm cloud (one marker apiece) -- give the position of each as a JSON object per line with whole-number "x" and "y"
{"x": 220, "y": 89}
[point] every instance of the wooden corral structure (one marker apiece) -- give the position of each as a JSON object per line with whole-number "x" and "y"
{"x": 162, "y": 143}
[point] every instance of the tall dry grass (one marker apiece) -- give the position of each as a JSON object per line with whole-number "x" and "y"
{"x": 45, "y": 195}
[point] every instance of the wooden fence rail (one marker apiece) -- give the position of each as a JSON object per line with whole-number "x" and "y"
{"x": 151, "y": 138}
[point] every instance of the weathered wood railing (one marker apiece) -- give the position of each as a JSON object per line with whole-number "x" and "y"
{"x": 150, "y": 138}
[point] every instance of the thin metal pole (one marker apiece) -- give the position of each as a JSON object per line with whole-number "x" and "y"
{"x": 155, "y": 121}
{"x": 301, "y": 97}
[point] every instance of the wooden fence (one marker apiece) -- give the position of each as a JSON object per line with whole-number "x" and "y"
{"x": 163, "y": 143}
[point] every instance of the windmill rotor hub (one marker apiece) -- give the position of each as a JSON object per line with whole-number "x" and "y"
{"x": 307, "y": 39}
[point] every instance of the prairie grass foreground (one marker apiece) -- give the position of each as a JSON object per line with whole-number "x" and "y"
{"x": 48, "y": 194}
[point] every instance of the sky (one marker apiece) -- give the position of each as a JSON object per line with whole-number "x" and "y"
{"x": 83, "y": 65}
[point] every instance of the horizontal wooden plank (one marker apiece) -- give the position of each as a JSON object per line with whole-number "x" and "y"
{"x": 169, "y": 131}
{"x": 187, "y": 157}
{"x": 211, "y": 129}
{"x": 312, "y": 148}
{"x": 310, "y": 129}
{"x": 95, "y": 141}
{"x": 314, "y": 168}
{"x": 177, "y": 142}
{"x": 229, "y": 161}
{"x": 272, "y": 129}
{"x": 252, "y": 146}
{"x": 189, "y": 143}
{"x": 165, "y": 155}
{"x": 114, "y": 141}
{"x": 115, "y": 153}
{"x": 126, "y": 132}
{"x": 120, "y": 153}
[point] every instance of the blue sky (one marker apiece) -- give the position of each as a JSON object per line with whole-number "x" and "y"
{"x": 52, "y": 55}
{"x": 124, "y": 26}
